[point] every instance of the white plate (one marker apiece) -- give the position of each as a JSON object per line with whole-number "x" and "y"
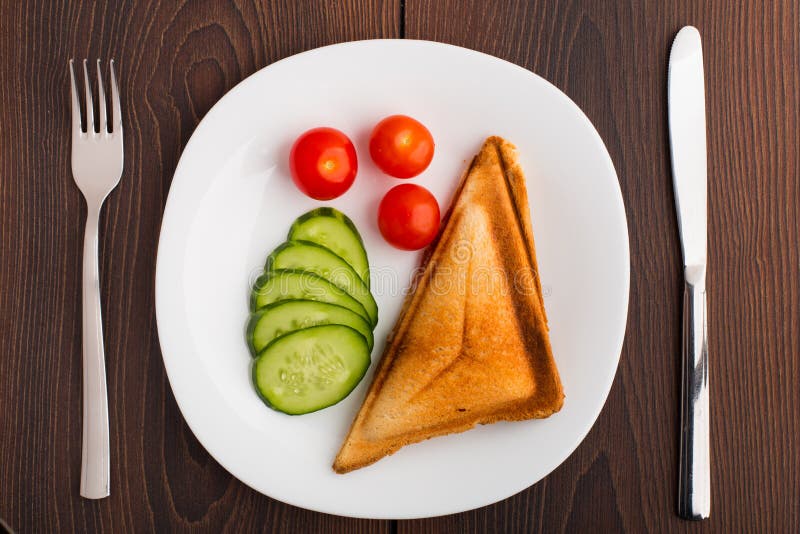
{"x": 232, "y": 201}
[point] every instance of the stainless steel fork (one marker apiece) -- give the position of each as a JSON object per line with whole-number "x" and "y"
{"x": 96, "y": 168}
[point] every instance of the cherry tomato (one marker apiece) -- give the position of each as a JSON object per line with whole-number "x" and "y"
{"x": 323, "y": 163}
{"x": 408, "y": 217}
{"x": 401, "y": 146}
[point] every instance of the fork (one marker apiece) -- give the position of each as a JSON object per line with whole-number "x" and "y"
{"x": 96, "y": 168}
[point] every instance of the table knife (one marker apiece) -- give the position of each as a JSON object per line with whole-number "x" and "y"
{"x": 687, "y": 134}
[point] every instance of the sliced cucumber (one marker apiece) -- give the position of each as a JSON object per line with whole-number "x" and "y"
{"x": 280, "y": 318}
{"x": 300, "y": 285}
{"x": 311, "y": 369}
{"x": 313, "y": 258}
{"x": 335, "y": 231}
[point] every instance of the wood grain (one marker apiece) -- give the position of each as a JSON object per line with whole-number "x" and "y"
{"x": 176, "y": 59}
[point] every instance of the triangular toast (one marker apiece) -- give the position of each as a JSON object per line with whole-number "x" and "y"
{"x": 471, "y": 346}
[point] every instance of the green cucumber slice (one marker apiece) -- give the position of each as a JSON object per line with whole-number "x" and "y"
{"x": 333, "y": 230}
{"x": 300, "y": 285}
{"x": 280, "y": 318}
{"x": 314, "y": 258}
{"x": 311, "y": 369}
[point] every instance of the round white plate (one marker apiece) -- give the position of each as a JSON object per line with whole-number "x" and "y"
{"x": 232, "y": 201}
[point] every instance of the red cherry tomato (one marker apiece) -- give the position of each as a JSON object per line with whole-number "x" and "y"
{"x": 401, "y": 146}
{"x": 323, "y": 163}
{"x": 408, "y": 217}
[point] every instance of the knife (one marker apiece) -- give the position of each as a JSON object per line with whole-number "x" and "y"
{"x": 687, "y": 135}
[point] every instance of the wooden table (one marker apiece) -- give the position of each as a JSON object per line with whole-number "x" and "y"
{"x": 610, "y": 57}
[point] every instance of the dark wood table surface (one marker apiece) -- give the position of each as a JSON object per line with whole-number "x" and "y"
{"x": 176, "y": 59}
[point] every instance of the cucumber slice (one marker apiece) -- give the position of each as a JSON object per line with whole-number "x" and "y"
{"x": 313, "y": 258}
{"x": 333, "y": 230}
{"x": 280, "y": 318}
{"x": 311, "y": 369}
{"x": 300, "y": 285}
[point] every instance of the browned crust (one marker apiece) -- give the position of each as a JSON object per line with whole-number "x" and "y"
{"x": 357, "y": 452}
{"x": 515, "y": 179}
{"x": 371, "y": 452}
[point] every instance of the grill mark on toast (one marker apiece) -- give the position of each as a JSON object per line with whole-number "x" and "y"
{"x": 461, "y": 351}
{"x": 521, "y": 217}
{"x": 526, "y": 313}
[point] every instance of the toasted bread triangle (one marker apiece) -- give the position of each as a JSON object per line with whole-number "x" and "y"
{"x": 471, "y": 346}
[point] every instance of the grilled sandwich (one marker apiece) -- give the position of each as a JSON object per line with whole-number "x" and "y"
{"x": 471, "y": 345}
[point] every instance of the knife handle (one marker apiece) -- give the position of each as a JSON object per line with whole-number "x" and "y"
{"x": 694, "y": 481}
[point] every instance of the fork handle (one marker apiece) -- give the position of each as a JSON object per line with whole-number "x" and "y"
{"x": 95, "y": 450}
{"x": 694, "y": 481}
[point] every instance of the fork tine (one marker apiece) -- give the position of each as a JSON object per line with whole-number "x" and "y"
{"x": 76, "y": 105}
{"x": 115, "y": 100}
{"x": 89, "y": 105}
{"x": 101, "y": 94}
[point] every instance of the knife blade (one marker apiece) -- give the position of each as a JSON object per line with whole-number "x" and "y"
{"x": 687, "y": 133}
